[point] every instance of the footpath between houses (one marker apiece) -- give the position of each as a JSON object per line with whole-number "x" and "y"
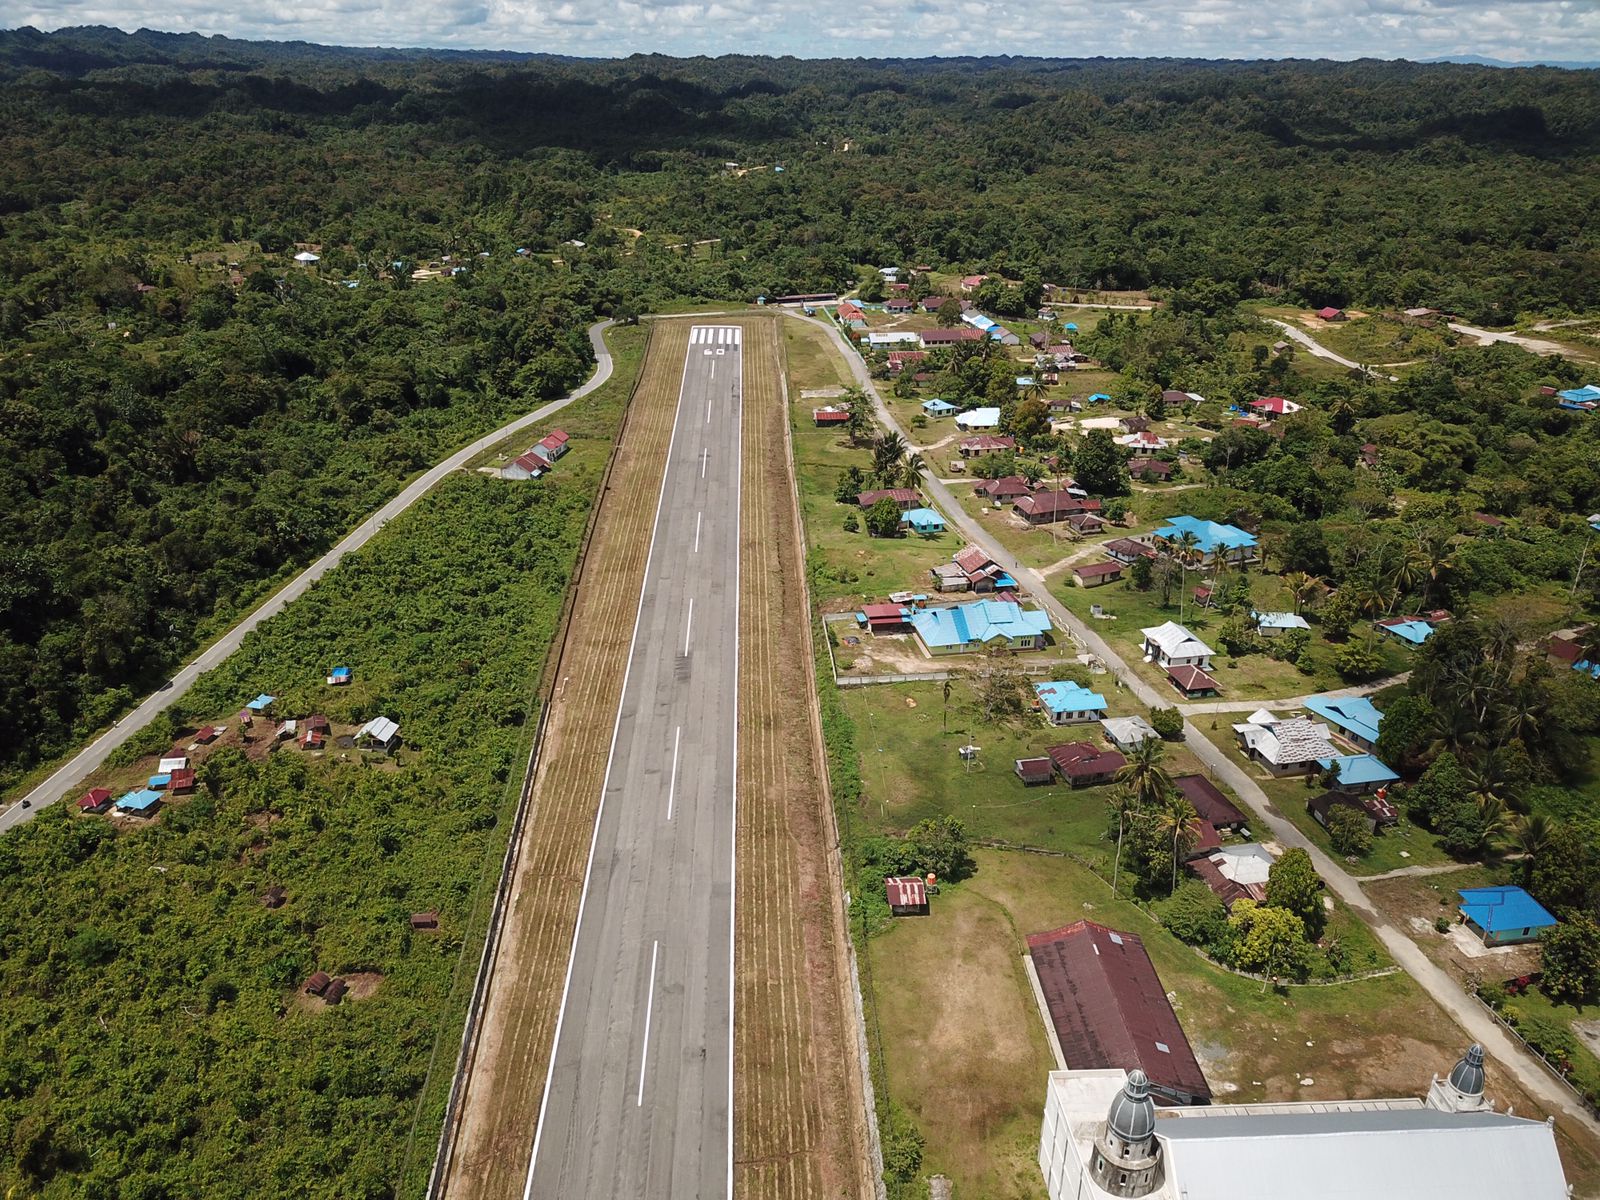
{"x": 1463, "y": 1008}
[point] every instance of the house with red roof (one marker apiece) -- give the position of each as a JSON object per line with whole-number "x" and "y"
{"x": 972, "y": 283}
{"x": 1331, "y": 314}
{"x": 906, "y": 498}
{"x": 985, "y": 443}
{"x": 95, "y": 800}
{"x": 900, "y": 359}
{"x": 1006, "y": 487}
{"x": 1274, "y": 406}
{"x": 1042, "y": 508}
{"x": 1083, "y": 764}
{"x": 932, "y": 338}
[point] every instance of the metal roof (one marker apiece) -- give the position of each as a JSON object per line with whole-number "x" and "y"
{"x": 1209, "y": 801}
{"x": 1354, "y": 714}
{"x": 1109, "y": 1008}
{"x": 1359, "y": 770}
{"x": 1495, "y": 909}
{"x": 1068, "y": 696}
{"x": 1398, "y": 1154}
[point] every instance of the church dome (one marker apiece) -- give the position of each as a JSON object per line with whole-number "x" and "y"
{"x": 1467, "y": 1075}
{"x": 1132, "y": 1118}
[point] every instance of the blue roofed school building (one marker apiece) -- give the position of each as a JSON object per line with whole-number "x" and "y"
{"x": 1357, "y": 773}
{"x": 979, "y": 624}
{"x": 1213, "y": 542}
{"x": 922, "y": 520}
{"x": 1504, "y": 916}
{"x": 1065, "y": 702}
{"x": 1354, "y": 718}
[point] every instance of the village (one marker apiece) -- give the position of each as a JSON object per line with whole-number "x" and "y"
{"x": 968, "y": 574}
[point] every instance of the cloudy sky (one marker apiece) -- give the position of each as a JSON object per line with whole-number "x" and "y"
{"x": 1518, "y": 30}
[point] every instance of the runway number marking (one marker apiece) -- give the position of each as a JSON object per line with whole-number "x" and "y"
{"x": 688, "y": 628}
{"x": 697, "y": 518}
{"x": 672, "y": 782}
{"x": 649, "y": 1005}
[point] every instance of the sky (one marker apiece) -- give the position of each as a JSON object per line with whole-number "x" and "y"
{"x": 1516, "y": 30}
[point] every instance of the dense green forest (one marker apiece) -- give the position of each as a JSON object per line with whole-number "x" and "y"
{"x": 184, "y": 415}
{"x": 153, "y": 1042}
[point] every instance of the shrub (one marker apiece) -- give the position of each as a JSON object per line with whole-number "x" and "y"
{"x": 1193, "y": 914}
{"x": 851, "y": 525}
{"x": 1355, "y": 661}
{"x": 1348, "y": 831}
{"x": 1168, "y": 722}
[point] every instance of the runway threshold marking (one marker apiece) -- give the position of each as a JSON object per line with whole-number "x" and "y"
{"x": 649, "y": 1006}
{"x": 672, "y": 783}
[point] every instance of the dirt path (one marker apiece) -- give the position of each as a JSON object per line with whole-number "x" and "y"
{"x": 500, "y": 1105}
{"x": 799, "y": 1112}
{"x": 1488, "y": 337}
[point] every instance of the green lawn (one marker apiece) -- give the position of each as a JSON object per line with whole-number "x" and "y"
{"x": 1405, "y": 845}
{"x": 1377, "y": 340}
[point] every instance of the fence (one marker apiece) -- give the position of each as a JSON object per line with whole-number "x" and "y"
{"x": 491, "y": 941}
{"x": 1560, "y": 1076}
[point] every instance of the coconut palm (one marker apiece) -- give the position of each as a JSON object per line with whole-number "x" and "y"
{"x": 1526, "y": 838}
{"x": 887, "y": 451}
{"x": 1302, "y": 588}
{"x": 1175, "y": 818}
{"x": 910, "y": 470}
{"x": 1185, "y": 545}
{"x": 1145, "y": 774}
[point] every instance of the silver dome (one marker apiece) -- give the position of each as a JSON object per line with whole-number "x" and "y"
{"x": 1467, "y": 1075}
{"x": 1132, "y": 1118}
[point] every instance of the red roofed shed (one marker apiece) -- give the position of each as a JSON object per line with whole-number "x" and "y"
{"x": 908, "y": 895}
{"x": 1109, "y": 1009}
{"x": 885, "y": 618}
{"x": 95, "y": 800}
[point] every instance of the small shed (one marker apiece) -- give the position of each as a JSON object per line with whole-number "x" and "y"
{"x": 1094, "y": 574}
{"x": 381, "y": 732}
{"x": 205, "y": 735}
{"x": 1035, "y": 771}
{"x": 318, "y": 983}
{"x": 274, "y": 896}
{"x": 908, "y": 895}
{"x": 1192, "y": 681}
{"x": 181, "y": 781}
{"x": 335, "y": 991}
{"x": 425, "y": 920}
{"x": 339, "y": 676}
{"x": 176, "y": 763}
{"x": 262, "y": 704}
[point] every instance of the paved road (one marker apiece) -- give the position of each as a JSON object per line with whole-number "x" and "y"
{"x": 638, "y": 1099}
{"x": 1320, "y": 351}
{"x": 1450, "y": 996}
{"x": 71, "y": 776}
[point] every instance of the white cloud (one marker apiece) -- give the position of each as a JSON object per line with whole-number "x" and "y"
{"x": 1508, "y": 29}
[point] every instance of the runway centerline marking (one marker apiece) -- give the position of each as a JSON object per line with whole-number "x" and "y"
{"x": 705, "y": 454}
{"x": 708, "y": 410}
{"x": 672, "y": 783}
{"x": 697, "y": 518}
{"x": 649, "y": 1006}
{"x": 688, "y": 628}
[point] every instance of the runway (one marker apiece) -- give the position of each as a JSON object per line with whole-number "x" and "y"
{"x": 638, "y": 1098}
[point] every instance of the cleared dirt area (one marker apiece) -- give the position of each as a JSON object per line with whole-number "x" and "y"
{"x": 500, "y": 1106}
{"x": 798, "y": 1111}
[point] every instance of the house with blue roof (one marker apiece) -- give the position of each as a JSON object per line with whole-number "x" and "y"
{"x": 1411, "y": 630}
{"x": 1213, "y": 542}
{"x": 1355, "y": 718}
{"x": 922, "y": 520}
{"x": 939, "y": 408}
{"x": 1504, "y": 916}
{"x": 1357, "y": 773}
{"x": 1065, "y": 702}
{"x": 978, "y": 624}
{"x": 1583, "y": 399}
{"x": 261, "y": 703}
{"x": 142, "y": 802}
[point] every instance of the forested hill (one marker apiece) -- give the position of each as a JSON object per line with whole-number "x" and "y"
{"x": 184, "y": 414}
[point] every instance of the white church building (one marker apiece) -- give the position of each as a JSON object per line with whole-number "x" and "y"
{"x": 1104, "y": 1138}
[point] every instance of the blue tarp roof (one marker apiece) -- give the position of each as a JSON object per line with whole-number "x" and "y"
{"x": 260, "y": 702}
{"x": 1359, "y": 770}
{"x": 1067, "y": 696}
{"x": 140, "y": 800}
{"x": 1496, "y": 909}
{"x": 977, "y": 622}
{"x": 1210, "y": 535}
{"x": 338, "y": 672}
{"x": 1071, "y": 326}
{"x": 1355, "y": 714}
{"x": 1415, "y": 632}
{"x": 158, "y": 782}
{"x": 1098, "y": 397}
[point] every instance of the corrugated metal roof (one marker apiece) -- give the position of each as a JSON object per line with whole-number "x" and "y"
{"x": 1209, "y": 801}
{"x": 1109, "y": 1008}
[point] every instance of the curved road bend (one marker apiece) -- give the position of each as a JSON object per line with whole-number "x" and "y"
{"x": 1318, "y": 350}
{"x": 1444, "y": 990}
{"x": 68, "y": 778}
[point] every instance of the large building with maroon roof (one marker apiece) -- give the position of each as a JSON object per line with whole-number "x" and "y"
{"x": 1109, "y": 1010}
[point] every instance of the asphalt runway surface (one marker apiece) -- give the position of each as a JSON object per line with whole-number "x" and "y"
{"x": 638, "y": 1099}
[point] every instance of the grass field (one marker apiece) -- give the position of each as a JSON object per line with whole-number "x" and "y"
{"x": 1380, "y": 341}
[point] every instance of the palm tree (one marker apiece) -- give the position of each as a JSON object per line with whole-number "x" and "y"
{"x": 910, "y": 470}
{"x": 1145, "y": 775}
{"x": 1436, "y": 565}
{"x": 1496, "y": 822}
{"x": 1527, "y": 838}
{"x": 1302, "y": 587}
{"x": 1032, "y": 472}
{"x": 1187, "y": 543}
{"x": 1175, "y": 817}
{"x": 1406, "y": 574}
{"x": 860, "y": 423}
{"x": 887, "y": 451}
